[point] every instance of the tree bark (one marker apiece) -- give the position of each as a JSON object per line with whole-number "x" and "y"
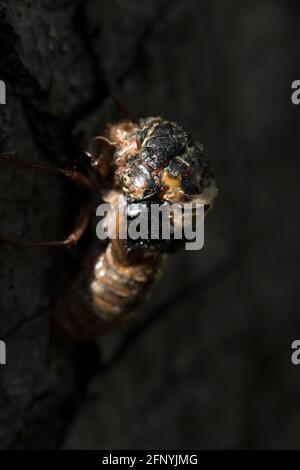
{"x": 195, "y": 376}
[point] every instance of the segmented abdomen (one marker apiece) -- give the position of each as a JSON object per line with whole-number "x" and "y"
{"x": 106, "y": 292}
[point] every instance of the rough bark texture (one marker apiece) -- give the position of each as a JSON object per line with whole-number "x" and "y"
{"x": 206, "y": 363}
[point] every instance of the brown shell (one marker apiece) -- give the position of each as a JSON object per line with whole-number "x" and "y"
{"x": 152, "y": 159}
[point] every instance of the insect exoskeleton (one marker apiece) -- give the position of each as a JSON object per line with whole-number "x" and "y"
{"x": 150, "y": 162}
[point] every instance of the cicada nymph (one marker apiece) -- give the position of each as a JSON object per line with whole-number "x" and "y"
{"x": 153, "y": 161}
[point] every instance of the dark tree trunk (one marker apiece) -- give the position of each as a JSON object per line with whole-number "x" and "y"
{"x": 196, "y": 376}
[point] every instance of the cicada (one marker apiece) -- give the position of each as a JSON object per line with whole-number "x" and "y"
{"x": 152, "y": 161}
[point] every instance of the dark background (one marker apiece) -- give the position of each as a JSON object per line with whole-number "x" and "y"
{"x": 206, "y": 363}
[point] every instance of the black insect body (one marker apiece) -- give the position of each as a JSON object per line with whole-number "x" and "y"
{"x": 150, "y": 162}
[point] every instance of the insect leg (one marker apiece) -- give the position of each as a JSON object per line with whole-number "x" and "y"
{"x": 74, "y": 175}
{"x": 77, "y": 232}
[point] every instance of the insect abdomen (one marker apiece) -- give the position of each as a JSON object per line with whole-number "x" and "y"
{"x": 107, "y": 294}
